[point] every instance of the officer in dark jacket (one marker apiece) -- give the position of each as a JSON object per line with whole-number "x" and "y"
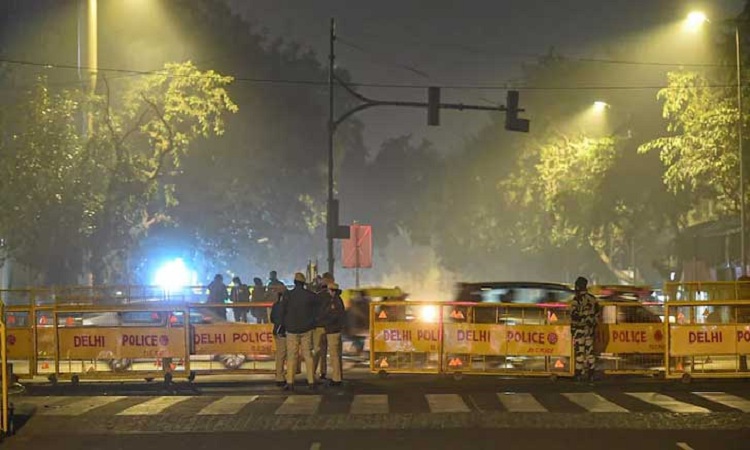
{"x": 320, "y": 340}
{"x": 298, "y": 312}
{"x": 279, "y": 333}
{"x": 334, "y": 319}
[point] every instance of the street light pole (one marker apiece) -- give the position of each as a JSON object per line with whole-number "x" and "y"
{"x": 695, "y": 20}
{"x": 743, "y": 259}
{"x": 93, "y": 43}
{"x": 331, "y": 130}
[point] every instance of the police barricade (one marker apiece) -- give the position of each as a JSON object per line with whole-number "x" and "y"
{"x": 399, "y": 343}
{"x": 5, "y": 419}
{"x": 19, "y": 322}
{"x": 708, "y": 339}
{"x": 707, "y": 290}
{"x": 231, "y": 338}
{"x": 125, "y": 341}
{"x": 506, "y": 339}
{"x": 630, "y": 338}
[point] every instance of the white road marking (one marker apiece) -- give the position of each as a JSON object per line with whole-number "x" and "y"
{"x": 730, "y": 400}
{"x": 231, "y": 404}
{"x": 667, "y": 402}
{"x": 520, "y": 402}
{"x": 153, "y": 407}
{"x": 315, "y": 446}
{"x": 81, "y": 406}
{"x": 369, "y": 404}
{"x": 446, "y": 403}
{"x": 300, "y": 405}
{"x": 593, "y": 402}
{"x": 684, "y": 446}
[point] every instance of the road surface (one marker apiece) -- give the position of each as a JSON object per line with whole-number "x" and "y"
{"x": 393, "y": 413}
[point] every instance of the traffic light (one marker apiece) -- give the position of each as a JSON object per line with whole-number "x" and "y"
{"x": 333, "y": 229}
{"x": 433, "y": 106}
{"x": 512, "y": 122}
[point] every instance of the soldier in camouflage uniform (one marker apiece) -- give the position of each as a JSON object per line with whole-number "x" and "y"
{"x": 584, "y": 314}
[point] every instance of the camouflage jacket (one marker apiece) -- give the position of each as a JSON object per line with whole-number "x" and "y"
{"x": 584, "y": 310}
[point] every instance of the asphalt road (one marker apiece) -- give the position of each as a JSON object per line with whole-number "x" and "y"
{"x": 474, "y": 439}
{"x": 400, "y": 411}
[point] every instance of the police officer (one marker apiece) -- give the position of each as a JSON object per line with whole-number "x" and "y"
{"x": 334, "y": 318}
{"x": 320, "y": 338}
{"x": 218, "y": 295}
{"x": 298, "y": 313}
{"x": 279, "y": 333}
{"x": 583, "y": 316}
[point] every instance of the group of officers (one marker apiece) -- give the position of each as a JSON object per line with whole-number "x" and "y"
{"x": 307, "y": 320}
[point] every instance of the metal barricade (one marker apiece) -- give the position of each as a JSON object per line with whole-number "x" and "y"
{"x": 707, "y": 290}
{"x": 18, "y": 317}
{"x": 5, "y": 375}
{"x": 470, "y": 338}
{"x": 231, "y": 338}
{"x": 507, "y": 339}
{"x": 708, "y": 339}
{"x": 125, "y": 341}
{"x": 401, "y": 344}
{"x": 630, "y": 338}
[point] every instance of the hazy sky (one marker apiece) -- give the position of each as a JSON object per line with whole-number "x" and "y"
{"x": 452, "y": 42}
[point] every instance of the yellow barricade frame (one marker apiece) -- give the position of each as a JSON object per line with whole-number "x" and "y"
{"x": 717, "y": 330}
{"x": 55, "y": 304}
{"x": 446, "y": 361}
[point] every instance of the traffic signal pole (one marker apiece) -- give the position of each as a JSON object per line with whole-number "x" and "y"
{"x": 433, "y": 106}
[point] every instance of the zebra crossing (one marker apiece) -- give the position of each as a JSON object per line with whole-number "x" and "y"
{"x": 383, "y": 404}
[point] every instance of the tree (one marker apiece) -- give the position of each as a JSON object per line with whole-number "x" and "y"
{"x": 95, "y": 197}
{"x": 570, "y": 197}
{"x": 700, "y": 155}
{"x": 45, "y": 179}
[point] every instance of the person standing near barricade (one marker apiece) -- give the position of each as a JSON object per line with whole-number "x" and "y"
{"x": 259, "y": 295}
{"x": 279, "y": 333}
{"x": 240, "y": 294}
{"x": 218, "y": 295}
{"x": 320, "y": 340}
{"x": 273, "y": 279}
{"x": 583, "y": 319}
{"x": 334, "y": 318}
{"x": 298, "y": 312}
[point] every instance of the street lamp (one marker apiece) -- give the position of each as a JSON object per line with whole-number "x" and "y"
{"x": 693, "y": 22}
{"x": 600, "y": 106}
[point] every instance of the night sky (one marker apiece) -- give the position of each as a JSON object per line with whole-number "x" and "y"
{"x": 448, "y": 42}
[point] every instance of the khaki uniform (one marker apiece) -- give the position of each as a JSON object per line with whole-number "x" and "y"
{"x": 334, "y": 347}
{"x": 320, "y": 350}
{"x": 280, "y": 357}
{"x": 297, "y": 343}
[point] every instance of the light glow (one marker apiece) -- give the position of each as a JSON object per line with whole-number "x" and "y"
{"x": 428, "y": 314}
{"x": 695, "y": 21}
{"x": 173, "y": 275}
{"x": 600, "y": 106}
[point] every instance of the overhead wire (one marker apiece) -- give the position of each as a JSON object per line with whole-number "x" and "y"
{"x": 322, "y": 83}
